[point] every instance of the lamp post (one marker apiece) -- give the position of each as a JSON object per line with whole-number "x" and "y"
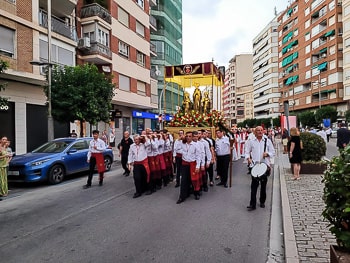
{"x": 50, "y": 124}
{"x": 160, "y": 109}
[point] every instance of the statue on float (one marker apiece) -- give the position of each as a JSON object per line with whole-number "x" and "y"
{"x": 200, "y": 104}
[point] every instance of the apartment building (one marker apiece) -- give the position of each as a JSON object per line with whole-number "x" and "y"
{"x": 24, "y": 38}
{"x": 229, "y": 95}
{"x": 311, "y": 56}
{"x": 239, "y": 89}
{"x": 346, "y": 50}
{"x": 265, "y": 72}
{"x": 167, "y": 43}
{"x": 115, "y": 35}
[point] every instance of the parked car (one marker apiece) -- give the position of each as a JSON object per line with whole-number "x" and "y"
{"x": 334, "y": 133}
{"x": 54, "y": 160}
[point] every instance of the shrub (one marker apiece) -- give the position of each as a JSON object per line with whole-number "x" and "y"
{"x": 336, "y": 195}
{"x": 314, "y": 147}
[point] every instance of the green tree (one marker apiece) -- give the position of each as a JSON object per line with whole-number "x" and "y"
{"x": 347, "y": 116}
{"x": 3, "y": 66}
{"x": 80, "y": 93}
{"x": 327, "y": 112}
{"x": 307, "y": 118}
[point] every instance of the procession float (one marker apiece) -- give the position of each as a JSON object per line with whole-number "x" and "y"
{"x": 201, "y": 105}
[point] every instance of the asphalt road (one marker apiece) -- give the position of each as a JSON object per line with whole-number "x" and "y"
{"x": 64, "y": 223}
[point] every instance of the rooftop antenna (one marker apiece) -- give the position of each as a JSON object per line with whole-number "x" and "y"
{"x": 275, "y": 11}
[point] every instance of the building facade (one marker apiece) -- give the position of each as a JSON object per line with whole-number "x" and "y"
{"x": 311, "y": 56}
{"x": 265, "y": 72}
{"x": 239, "y": 89}
{"x": 167, "y": 42}
{"x": 346, "y": 50}
{"x": 24, "y": 38}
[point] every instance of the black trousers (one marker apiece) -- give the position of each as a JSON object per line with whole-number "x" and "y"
{"x": 140, "y": 178}
{"x": 210, "y": 172}
{"x": 92, "y": 165}
{"x": 178, "y": 164}
{"x": 254, "y": 188}
{"x": 222, "y": 165}
{"x": 185, "y": 182}
{"x": 124, "y": 161}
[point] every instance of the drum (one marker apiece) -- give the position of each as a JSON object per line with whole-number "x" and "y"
{"x": 259, "y": 169}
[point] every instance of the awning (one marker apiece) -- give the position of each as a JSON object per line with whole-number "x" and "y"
{"x": 328, "y": 91}
{"x": 205, "y": 74}
{"x": 287, "y": 37}
{"x": 315, "y": 14}
{"x": 322, "y": 66}
{"x": 291, "y": 80}
{"x": 330, "y": 33}
{"x": 323, "y": 50}
{"x": 290, "y": 11}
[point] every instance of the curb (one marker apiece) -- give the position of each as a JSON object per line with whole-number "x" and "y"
{"x": 291, "y": 251}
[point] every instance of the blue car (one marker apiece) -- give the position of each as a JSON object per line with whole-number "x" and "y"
{"x": 54, "y": 160}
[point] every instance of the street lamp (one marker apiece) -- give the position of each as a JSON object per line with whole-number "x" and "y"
{"x": 50, "y": 126}
{"x": 160, "y": 108}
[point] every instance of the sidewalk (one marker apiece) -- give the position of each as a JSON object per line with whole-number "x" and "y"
{"x": 306, "y": 234}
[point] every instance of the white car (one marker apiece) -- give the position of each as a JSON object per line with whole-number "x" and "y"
{"x": 334, "y": 133}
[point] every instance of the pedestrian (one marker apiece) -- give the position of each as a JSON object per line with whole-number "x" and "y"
{"x": 206, "y": 160}
{"x": 323, "y": 134}
{"x": 9, "y": 153}
{"x": 259, "y": 149}
{"x": 4, "y": 157}
{"x": 73, "y": 134}
{"x": 95, "y": 158}
{"x": 124, "y": 147}
{"x": 343, "y": 136}
{"x": 222, "y": 149}
{"x": 328, "y": 133}
{"x": 295, "y": 147}
{"x": 191, "y": 161}
{"x": 177, "y": 156}
{"x": 104, "y": 137}
{"x": 210, "y": 169}
{"x": 138, "y": 159}
{"x": 285, "y": 138}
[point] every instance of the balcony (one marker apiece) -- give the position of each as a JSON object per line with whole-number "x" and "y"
{"x": 58, "y": 26}
{"x": 60, "y": 8}
{"x": 97, "y": 53}
{"x": 94, "y": 9}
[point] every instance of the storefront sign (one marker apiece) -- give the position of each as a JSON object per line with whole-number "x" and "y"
{"x": 150, "y": 115}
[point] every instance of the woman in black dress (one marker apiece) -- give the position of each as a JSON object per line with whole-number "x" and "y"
{"x": 295, "y": 148}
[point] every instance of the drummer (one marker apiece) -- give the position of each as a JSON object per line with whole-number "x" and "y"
{"x": 259, "y": 150}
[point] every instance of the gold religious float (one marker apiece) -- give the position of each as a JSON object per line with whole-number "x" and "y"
{"x": 202, "y": 84}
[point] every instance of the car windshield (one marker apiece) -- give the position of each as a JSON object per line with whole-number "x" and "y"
{"x": 52, "y": 147}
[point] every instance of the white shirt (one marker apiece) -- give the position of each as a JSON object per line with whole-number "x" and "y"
{"x": 191, "y": 153}
{"x": 207, "y": 152}
{"x": 255, "y": 149}
{"x": 177, "y": 147}
{"x": 138, "y": 153}
{"x": 222, "y": 146}
{"x": 100, "y": 147}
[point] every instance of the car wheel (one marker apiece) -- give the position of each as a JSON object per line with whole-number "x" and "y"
{"x": 56, "y": 174}
{"x": 108, "y": 163}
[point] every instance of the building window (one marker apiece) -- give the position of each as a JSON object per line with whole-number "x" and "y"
{"x": 124, "y": 49}
{"x": 124, "y": 83}
{"x": 141, "y": 88}
{"x": 140, "y": 3}
{"x": 59, "y": 55}
{"x": 123, "y": 17}
{"x": 103, "y": 38}
{"x": 7, "y": 42}
{"x": 140, "y": 58}
{"x": 140, "y": 29}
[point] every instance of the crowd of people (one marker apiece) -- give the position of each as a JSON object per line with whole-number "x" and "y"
{"x": 191, "y": 160}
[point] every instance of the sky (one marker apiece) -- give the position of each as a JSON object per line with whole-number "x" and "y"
{"x": 221, "y": 29}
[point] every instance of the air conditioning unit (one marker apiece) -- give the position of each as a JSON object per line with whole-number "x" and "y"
{"x": 340, "y": 33}
{"x": 84, "y": 43}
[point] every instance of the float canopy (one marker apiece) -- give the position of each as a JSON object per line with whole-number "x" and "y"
{"x": 205, "y": 74}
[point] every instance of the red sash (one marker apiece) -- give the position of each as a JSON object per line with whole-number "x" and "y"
{"x": 195, "y": 176}
{"x": 100, "y": 162}
{"x": 160, "y": 157}
{"x": 152, "y": 163}
{"x": 145, "y": 164}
